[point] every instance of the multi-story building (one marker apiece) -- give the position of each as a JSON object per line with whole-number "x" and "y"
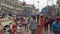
{"x": 10, "y": 4}
{"x": 16, "y": 6}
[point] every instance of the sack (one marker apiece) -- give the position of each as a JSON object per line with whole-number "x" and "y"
{"x": 1, "y": 27}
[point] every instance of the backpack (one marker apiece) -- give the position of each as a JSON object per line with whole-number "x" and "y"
{"x": 33, "y": 25}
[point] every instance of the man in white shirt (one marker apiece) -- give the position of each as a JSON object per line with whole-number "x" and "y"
{"x": 26, "y": 23}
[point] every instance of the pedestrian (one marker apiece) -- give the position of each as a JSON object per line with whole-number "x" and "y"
{"x": 26, "y": 23}
{"x": 46, "y": 23}
{"x": 29, "y": 19}
{"x": 56, "y": 26}
{"x": 41, "y": 24}
{"x": 14, "y": 29}
{"x": 17, "y": 17}
{"x": 19, "y": 28}
{"x": 22, "y": 21}
{"x": 51, "y": 22}
{"x": 38, "y": 18}
{"x": 33, "y": 26}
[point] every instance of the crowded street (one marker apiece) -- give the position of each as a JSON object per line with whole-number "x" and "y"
{"x": 29, "y": 16}
{"x": 23, "y": 31}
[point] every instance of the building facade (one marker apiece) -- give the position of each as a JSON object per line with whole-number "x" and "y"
{"x": 16, "y": 6}
{"x": 10, "y": 6}
{"x": 58, "y": 8}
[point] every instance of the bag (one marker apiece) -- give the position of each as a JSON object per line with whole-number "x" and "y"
{"x": 33, "y": 25}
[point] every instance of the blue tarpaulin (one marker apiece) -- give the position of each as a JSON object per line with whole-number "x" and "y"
{"x": 44, "y": 10}
{"x": 31, "y": 14}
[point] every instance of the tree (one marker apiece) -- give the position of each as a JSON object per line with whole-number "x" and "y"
{"x": 50, "y": 9}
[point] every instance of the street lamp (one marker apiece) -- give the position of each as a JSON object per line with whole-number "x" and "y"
{"x": 47, "y": 6}
{"x": 52, "y": 2}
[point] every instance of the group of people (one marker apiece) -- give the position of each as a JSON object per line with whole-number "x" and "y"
{"x": 35, "y": 25}
{"x": 16, "y": 27}
{"x": 54, "y": 23}
{"x": 18, "y": 23}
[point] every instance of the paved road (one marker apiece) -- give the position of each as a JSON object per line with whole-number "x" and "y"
{"x": 23, "y": 31}
{"x": 47, "y": 32}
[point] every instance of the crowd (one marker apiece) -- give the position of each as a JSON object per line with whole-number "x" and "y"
{"x": 44, "y": 22}
{"x": 36, "y": 24}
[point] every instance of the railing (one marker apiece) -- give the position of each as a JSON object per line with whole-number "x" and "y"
{"x": 11, "y": 3}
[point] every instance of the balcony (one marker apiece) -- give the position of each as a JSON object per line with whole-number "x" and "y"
{"x": 11, "y": 3}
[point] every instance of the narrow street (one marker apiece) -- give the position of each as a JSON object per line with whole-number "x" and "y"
{"x": 23, "y": 30}
{"x": 35, "y": 16}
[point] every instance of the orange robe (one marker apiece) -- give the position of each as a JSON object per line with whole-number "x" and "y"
{"x": 14, "y": 30}
{"x": 42, "y": 21}
{"x": 41, "y": 25}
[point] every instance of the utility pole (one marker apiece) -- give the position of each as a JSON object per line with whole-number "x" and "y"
{"x": 38, "y": 4}
{"x": 52, "y": 2}
{"x": 47, "y": 6}
{"x": 38, "y": 15}
{"x": 33, "y": 2}
{"x": 58, "y": 2}
{"x": 24, "y": 8}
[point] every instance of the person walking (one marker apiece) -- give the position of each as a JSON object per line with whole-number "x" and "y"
{"x": 26, "y": 23}
{"x": 19, "y": 29}
{"x": 56, "y": 26}
{"x": 46, "y": 23}
{"x": 14, "y": 27}
{"x": 33, "y": 26}
{"x": 38, "y": 18}
{"x": 41, "y": 24}
{"x": 22, "y": 21}
{"x": 51, "y": 22}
